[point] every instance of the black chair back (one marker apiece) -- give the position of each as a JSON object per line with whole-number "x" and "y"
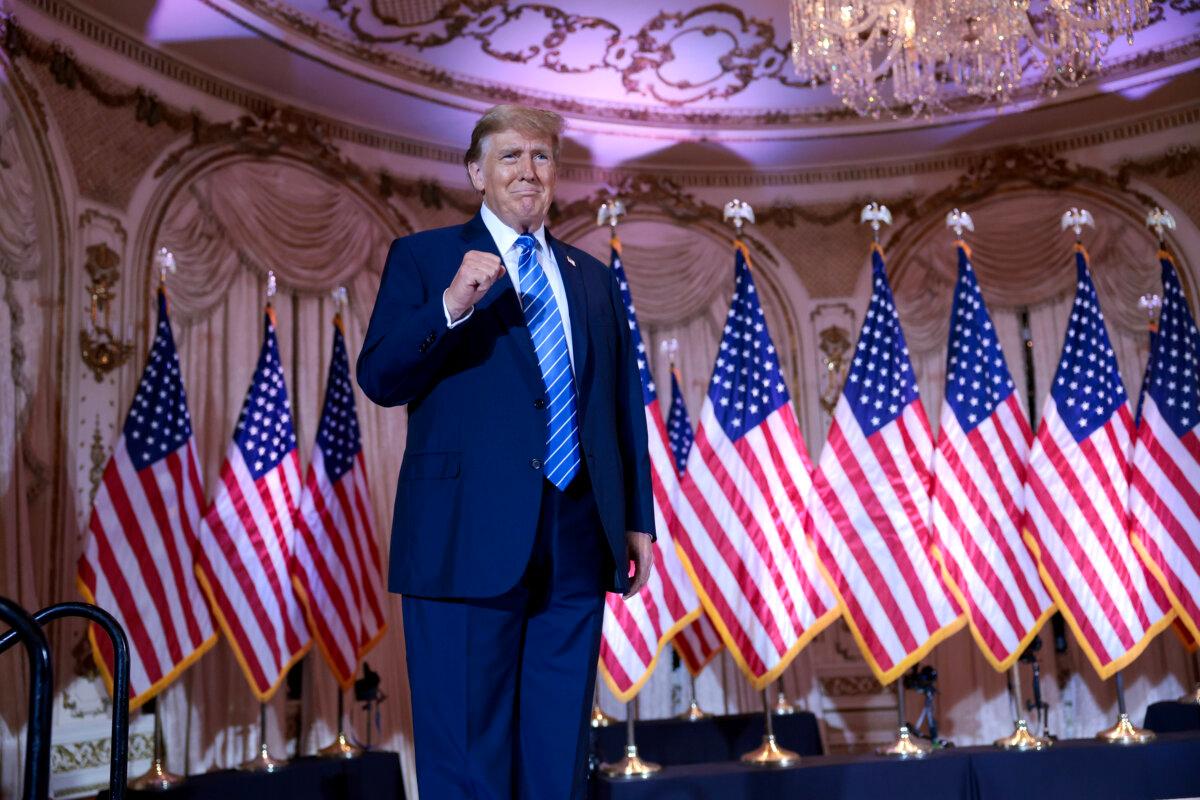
{"x": 37, "y": 743}
{"x": 119, "y": 761}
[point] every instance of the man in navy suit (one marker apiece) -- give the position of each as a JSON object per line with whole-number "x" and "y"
{"x": 525, "y": 490}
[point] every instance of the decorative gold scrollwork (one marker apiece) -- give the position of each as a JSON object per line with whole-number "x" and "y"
{"x": 101, "y": 349}
{"x": 834, "y": 345}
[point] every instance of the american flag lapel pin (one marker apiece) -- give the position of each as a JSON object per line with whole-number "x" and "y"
{"x": 570, "y": 260}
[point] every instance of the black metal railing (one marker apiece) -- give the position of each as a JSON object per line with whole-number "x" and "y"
{"x": 37, "y": 742}
{"x": 26, "y": 629}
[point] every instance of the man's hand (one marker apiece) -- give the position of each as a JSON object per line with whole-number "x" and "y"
{"x": 639, "y": 548}
{"x": 476, "y": 274}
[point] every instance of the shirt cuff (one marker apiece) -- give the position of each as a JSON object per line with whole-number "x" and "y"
{"x": 456, "y": 322}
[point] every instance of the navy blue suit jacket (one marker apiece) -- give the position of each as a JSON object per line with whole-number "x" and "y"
{"x": 470, "y": 485}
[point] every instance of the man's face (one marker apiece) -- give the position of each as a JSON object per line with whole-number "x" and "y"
{"x": 517, "y": 175}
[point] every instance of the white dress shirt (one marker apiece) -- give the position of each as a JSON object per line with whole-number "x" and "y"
{"x": 506, "y": 242}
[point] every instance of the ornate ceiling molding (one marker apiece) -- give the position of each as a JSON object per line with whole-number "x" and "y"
{"x": 266, "y": 128}
{"x": 638, "y": 57}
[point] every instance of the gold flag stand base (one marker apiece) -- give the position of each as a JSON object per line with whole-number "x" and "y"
{"x": 340, "y": 747}
{"x": 156, "y": 779}
{"x": 600, "y": 719}
{"x": 1192, "y": 697}
{"x": 783, "y": 706}
{"x": 693, "y": 713}
{"x": 1022, "y": 740}
{"x": 905, "y": 746}
{"x": 1125, "y": 732}
{"x": 770, "y": 754}
{"x": 631, "y": 766}
{"x": 262, "y": 762}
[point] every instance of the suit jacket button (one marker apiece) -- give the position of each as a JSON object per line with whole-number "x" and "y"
{"x": 536, "y": 463}
{"x": 540, "y": 403}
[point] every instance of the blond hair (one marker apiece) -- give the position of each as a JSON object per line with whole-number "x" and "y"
{"x": 523, "y": 119}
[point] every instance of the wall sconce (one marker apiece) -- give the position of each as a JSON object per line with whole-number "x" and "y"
{"x": 101, "y": 349}
{"x": 834, "y": 344}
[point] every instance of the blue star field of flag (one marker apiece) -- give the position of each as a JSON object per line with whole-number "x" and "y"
{"x": 338, "y": 434}
{"x": 679, "y": 427}
{"x": 649, "y": 393}
{"x": 880, "y": 383}
{"x": 1173, "y": 375}
{"x": 747, "y": 385}
{"x": 158, "y": 421}
{"x": 264, "y": 430}
{"x": 977, "y": 377}
{"x": 1087, "y": 387}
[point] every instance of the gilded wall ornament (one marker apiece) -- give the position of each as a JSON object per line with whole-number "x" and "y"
{"x": 834, "y": 344}
{"x": 101, "y": 349}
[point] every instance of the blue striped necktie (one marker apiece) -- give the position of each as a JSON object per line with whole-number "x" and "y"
{"x": 550, "y": 343}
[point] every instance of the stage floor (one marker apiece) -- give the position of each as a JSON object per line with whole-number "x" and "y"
{"x": 1070, "y": 770}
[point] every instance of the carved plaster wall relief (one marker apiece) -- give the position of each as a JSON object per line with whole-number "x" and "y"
{"x": 671, "y": 61}
{"x": 670, "y": 58}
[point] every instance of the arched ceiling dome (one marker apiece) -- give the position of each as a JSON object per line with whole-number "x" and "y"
{"x": 668, "y": 83}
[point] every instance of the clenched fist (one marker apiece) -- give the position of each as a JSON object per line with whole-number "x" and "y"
{"x": 476, "y": 274}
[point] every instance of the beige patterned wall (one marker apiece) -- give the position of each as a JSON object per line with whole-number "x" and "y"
{"x": 86, "y": 160}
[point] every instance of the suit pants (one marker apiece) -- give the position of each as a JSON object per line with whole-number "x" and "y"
{"x": 502, "y": 686}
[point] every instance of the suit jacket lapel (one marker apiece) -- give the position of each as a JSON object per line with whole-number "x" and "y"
{"x": 576, "y": 291}
{"x": 502, "y": 302}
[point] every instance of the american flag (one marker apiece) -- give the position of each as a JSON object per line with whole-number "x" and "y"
{"x": 870, "y": 500}
{"x": 740, "y": 516}
{"x": 247, "y": 533}
{"x": 1164, "y": 494}
{"x": 137, "y": 559}
{"x": 979, "y": 484}
{"x": 335, "y": 563}
{"x": 1077, "y": 491}
{"x": 635, "y": 630}
{"x": 698, "y": 643}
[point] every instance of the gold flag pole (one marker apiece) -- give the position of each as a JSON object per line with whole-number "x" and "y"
{"x": 1161, "y": 221}
{"x": 1020, "y": 739}
{"x": 340, "y": 747}
{"x": 877, "y": 215}
{"x": 157, "y": 778}
{"x": 693, "y": 713}
{"x": 1124, "y": 732}
{"x": 609, "y": 213}
{"x": 783, "y": 706}
{"x": 631, "y": 765}
{"x": 769, "y": 753}
{"x": 262, "y": 762}
{"x": 905, "y": 745}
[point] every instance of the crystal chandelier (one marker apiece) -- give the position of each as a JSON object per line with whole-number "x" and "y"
{"x": 909, "y": 55}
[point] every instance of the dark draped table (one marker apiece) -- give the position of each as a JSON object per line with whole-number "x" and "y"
{"x": 1171, "y": 717}
{"x": 372, "y": 776}
{"x": 725, "y": 738}
{"x": 1071, "y": 770}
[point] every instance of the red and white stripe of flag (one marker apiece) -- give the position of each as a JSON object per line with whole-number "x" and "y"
{"x": 740, "y": 530}
{"x": 1165, "y": 505}
{"x": 698, "y": 644}
{"x": 869, "y": 511}
{"x": 635, "y": 630}
{"x": 137, "y": 565}
{"x": 1076, "y": 524}
{"x": 978, "y": 510}
{"x": 242, "y": 562}
{"x": 336, "y": 566}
